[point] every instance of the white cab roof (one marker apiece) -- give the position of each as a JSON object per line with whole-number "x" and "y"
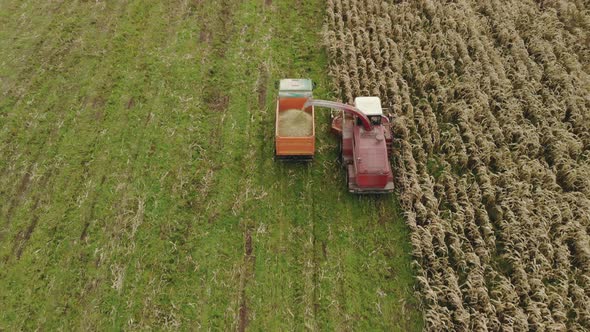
{"x": 369, "y": 105}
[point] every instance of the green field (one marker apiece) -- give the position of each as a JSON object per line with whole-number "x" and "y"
{"x": 138, "y": 188}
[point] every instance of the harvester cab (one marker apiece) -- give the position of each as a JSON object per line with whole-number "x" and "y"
{"x": 371, "y": 106}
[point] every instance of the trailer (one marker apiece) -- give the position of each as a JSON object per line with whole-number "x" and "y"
{"x": 289, "y": 144}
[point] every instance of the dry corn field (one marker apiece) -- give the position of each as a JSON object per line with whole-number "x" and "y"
{"x": 491, "y": 102}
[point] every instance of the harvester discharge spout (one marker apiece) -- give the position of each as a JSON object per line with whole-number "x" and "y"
{"x": 346, "y": 108}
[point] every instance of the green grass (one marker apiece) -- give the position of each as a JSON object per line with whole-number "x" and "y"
{"x": 136, "y": 171}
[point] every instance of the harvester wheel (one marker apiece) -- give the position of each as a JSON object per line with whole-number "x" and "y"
{"x": 340, "y": 152}
{"x": 347, "y": 180}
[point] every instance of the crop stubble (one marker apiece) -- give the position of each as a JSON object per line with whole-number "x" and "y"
{"x": 491, "y": 150}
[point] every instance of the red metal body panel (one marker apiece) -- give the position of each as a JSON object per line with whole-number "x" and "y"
{"x": 370, "y": 157}
{"x": 365, "y": 154}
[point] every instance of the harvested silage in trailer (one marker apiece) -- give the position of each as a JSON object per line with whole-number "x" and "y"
{"x": 295, "y": 123}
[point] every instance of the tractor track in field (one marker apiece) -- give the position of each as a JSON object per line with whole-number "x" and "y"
{"x": 25, "y": 182}
{"x": 216, "y": 100}
{"x": 315, "y": 272}
{"x": 262, "y": 86}
{"x": 28, "y": 70}
{"x": 22, "y": 238}
{"x": 98, "y": 113}
{"x": 18, "y": 196}
{"x": 98, "y": 104}
{"x": 29, "y": 183}
{"x": 247, "y": 274}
